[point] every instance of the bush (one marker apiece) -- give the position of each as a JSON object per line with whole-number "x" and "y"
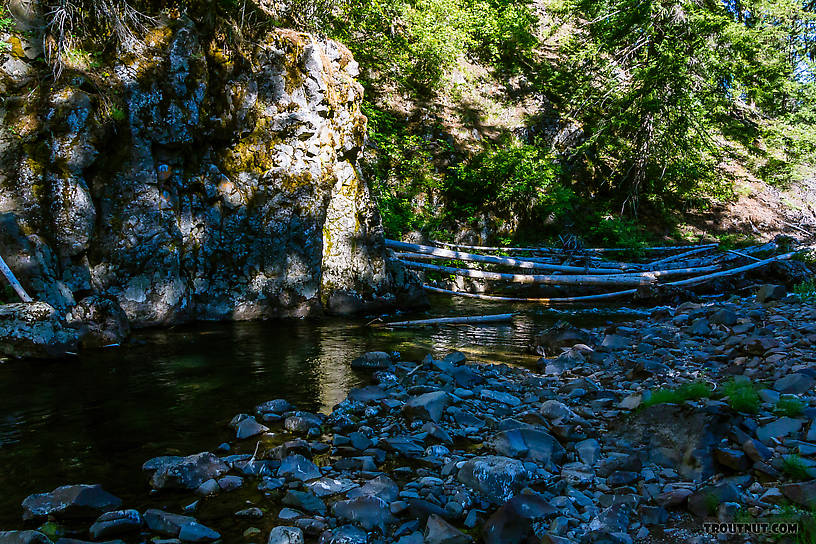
{"x": 789, "y": 406}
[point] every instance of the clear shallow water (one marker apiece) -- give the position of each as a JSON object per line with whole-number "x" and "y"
{"x": 97, "y": 418}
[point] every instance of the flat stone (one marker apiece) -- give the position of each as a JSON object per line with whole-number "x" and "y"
{"x": 499, "y": 396}
{"x": 166, "y": 523}
{"x": 70, "y": 502}
{"x": 305, "y": 501}
{"x": 196, "y": 532}
{"x": 780, "y": 428}
{"x": 248, "y": 428}
{"x": 297, "y": 467}
{"x": 796, "y": 383}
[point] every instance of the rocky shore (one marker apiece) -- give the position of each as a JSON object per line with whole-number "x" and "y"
{"x": 637, "y": 432}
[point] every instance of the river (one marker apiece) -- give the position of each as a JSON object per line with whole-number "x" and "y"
{"x": 98, "y": 417}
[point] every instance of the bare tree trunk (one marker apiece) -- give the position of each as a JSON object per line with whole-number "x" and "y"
{"x": 13, "y": 281}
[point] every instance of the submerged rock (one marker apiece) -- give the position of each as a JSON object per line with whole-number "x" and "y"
{"x": 188, "y": 472}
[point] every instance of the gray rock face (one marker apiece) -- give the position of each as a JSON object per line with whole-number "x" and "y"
{"x": 188, "y": 472}
{"x": 497, "y": 478}
{"x": 70, "y": 502}
{"x": 216, "y": 192}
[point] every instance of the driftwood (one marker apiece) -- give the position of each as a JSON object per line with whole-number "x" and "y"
{"x": 449, "y": 321}
{"x": 13, "y": 281}
{"x": 561, "y": 300}
{"x": 647, "y": 278}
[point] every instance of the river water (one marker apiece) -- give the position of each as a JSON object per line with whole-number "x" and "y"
{"x": 98, "y": 417}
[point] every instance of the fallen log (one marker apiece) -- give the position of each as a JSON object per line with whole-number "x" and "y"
{"x": 561, "y": 300}
{"x": 647, "y": 278}
{"x": 491, "y": 259}
{"x": 577, "y": 251}
{"x": 21, "y": 292}
{"x": 615, "y": 278}
{"x": 449, "y": 321}
{"x": 708, "y": 277}
{"x": 681, "y": 256}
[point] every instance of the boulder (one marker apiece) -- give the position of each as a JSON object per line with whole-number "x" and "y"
{"x": 70, "y": 502}
{"x": 769, "y": 293}
{"x": 528, "y": 444}
{"x": 297, "y": 467}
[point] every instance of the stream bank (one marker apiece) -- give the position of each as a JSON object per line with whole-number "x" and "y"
{"x": 579, "y": 448}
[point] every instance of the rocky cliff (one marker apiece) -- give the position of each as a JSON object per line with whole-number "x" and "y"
{"x": 193, "y": 178}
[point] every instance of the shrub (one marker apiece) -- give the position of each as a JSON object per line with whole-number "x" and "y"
{"x": 806, "y": 290}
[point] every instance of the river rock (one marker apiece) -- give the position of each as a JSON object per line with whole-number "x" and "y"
{"x": 23, "y": 537}
{"x": 529, "y": 444}
{"x": 368, "y": 511}
{"x": 196, "y": 532}
{"x": 248, "y": 428}
{"x": 188, "y": 472}
{"x": 429, "y": 406}
{"x": 796, "y": 383}
{"x": 497, "y": 478}
{"x": 373, "y": 360}
{"x": 298, "y": 467}
{"x": 302, "y": 422}
{"x": 345, "y": 534}
{"x": 382, "y": 487}
{"x": 560, "y": 335}
{"x": 801, "y": 493}
{"x": 285, "y": 535}
{"x": 513, "y": 523}
{"x": 70, "y": 502}
{"x": 305, "y": 501}
{"x": 115, "y": 523}
{"x": 769, "y": 293}
{"x": 166, "y": 523}
{"x": 439, "y": 531}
